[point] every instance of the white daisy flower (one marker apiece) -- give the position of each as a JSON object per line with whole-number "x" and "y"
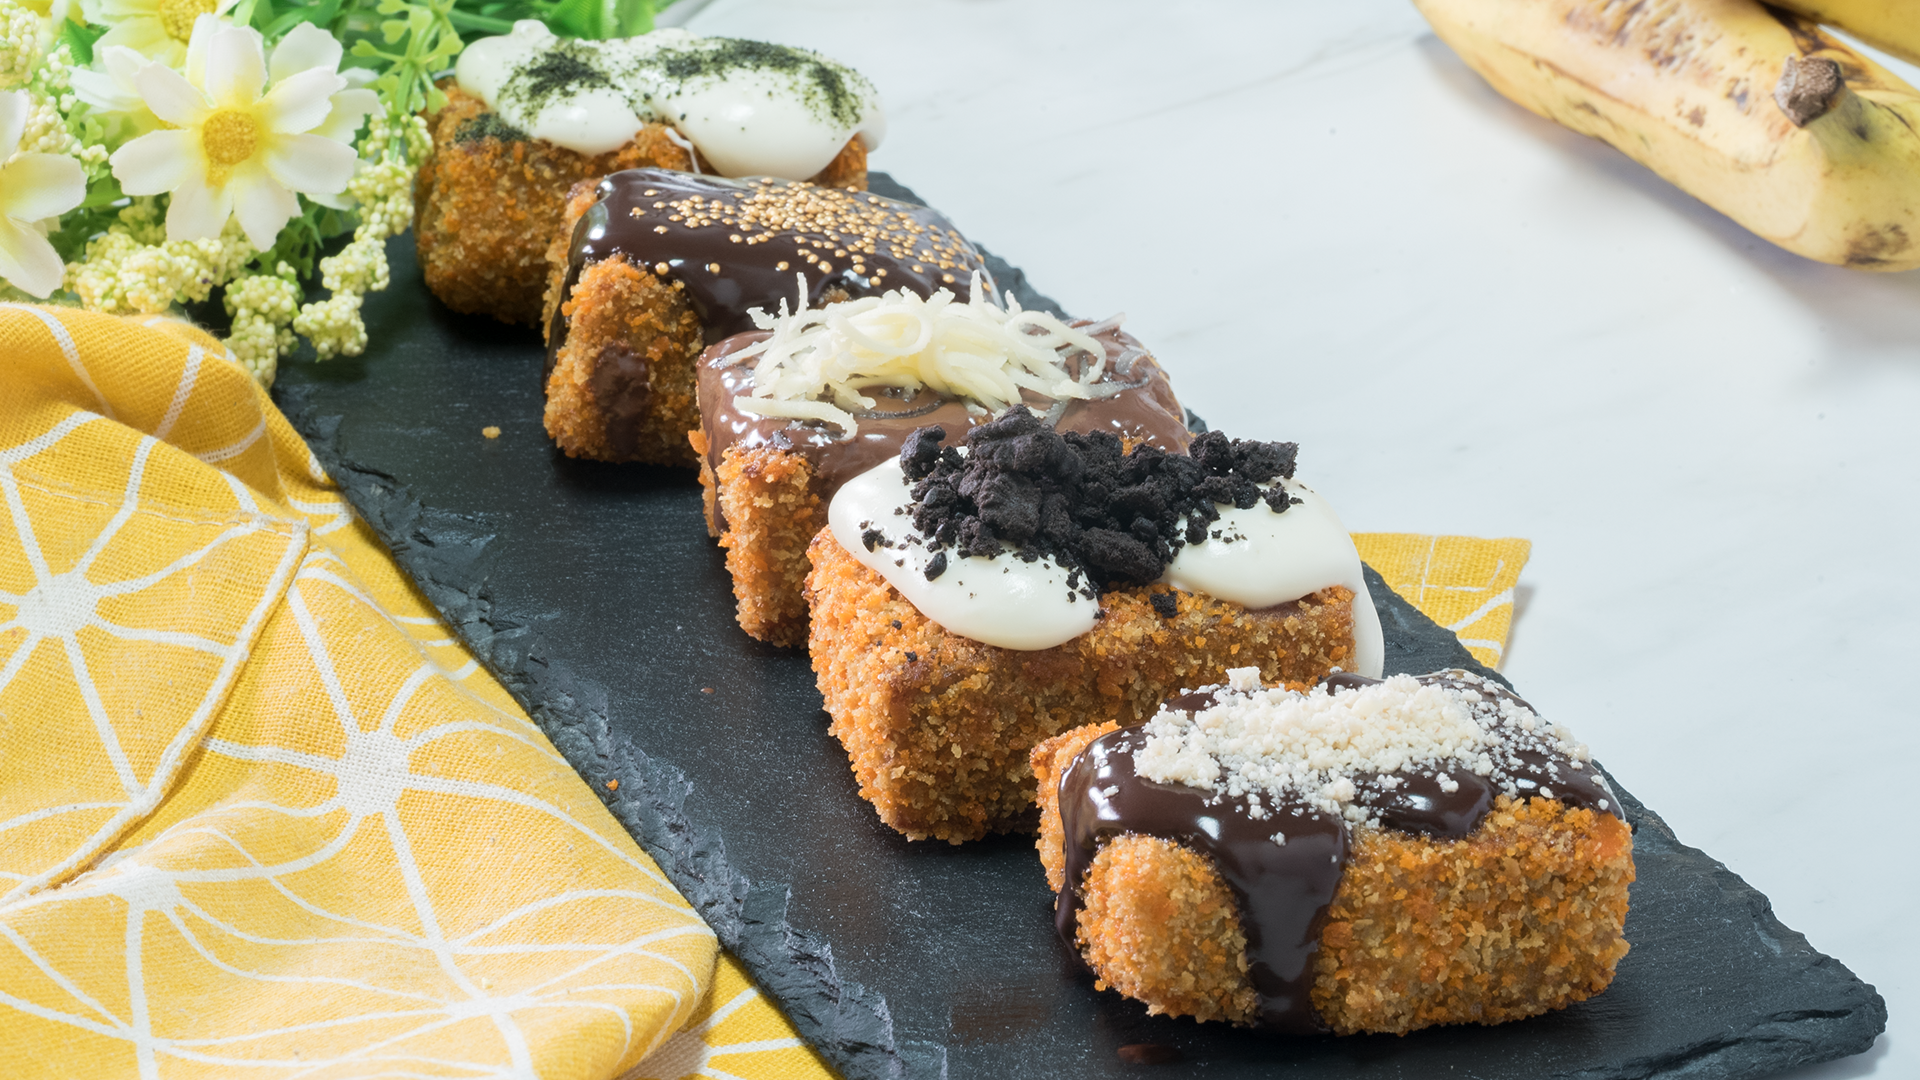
{"x": 239, "y": 145}
{"x": 157, "y": 29}
{"x": 34, "y": 189}
{"x": 112, "y": 89}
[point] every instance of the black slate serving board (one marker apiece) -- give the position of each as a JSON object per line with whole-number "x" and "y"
{"x": 594, "y": 593}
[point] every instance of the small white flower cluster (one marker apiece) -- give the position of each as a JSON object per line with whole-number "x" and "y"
{"x": 19, "y": 44}
{"x": 383, "y": 189}
{"x": 333, "y": 325}
{"x": 53, "y": 125}
{"x": 131, "y": 269}
{"x": 383, "y": 185}
{"x": 263, "y": 307}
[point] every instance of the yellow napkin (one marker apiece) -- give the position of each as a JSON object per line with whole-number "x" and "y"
{"x": 1461, "y": 582}
{"x": 261, "y": 814}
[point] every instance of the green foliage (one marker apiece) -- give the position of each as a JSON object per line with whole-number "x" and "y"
{"x": 80, "y": 40}
{"x": 568, "y": 18}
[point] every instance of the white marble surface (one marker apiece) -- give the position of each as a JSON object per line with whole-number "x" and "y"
{"x": 1476, "y": 322}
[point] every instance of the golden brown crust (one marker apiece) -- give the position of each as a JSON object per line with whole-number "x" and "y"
{"x": 1522, "y": 917}
{"x": 486, "y": 208}
{"x": 847, "y": 170}
{"x": 939, "y": 727}
{"x": 1161, "y": 927}
{"x": 622, "y": 386}
{"x": 770, "y": 512}
{"x": 1049, "y": 760}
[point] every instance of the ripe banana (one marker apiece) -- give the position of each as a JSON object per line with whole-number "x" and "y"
{"x": 1688, "y": 88}
{"x": 1893, "y": 25}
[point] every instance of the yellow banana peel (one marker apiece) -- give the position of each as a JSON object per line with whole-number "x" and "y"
{"x": 1892, "y": 25}
{"x": 1697, "y": 90}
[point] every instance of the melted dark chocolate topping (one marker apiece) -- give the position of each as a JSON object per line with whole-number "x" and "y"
{"x": 739, "y": 244}
{"x": 1284, "y": 889}
{"x": 1149, "y": 412}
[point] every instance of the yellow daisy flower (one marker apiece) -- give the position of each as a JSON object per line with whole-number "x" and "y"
{"x": 245, "y": 135}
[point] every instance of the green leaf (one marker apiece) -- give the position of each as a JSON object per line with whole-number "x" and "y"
{"x": 483, "y": 23}
{"x": 80, "y": 40}
{"x": 632, "y": 17}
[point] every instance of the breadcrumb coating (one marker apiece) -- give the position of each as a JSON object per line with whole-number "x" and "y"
{"x": 622, "y": 385}
{"x": 939, "y": 727}
{"x": 766, "y": 498}
{"x": 488, "y": 207}
{"x": 1521, "y": 917}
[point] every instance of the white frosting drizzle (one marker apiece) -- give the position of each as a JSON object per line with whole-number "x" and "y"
{"x": 1001, "y": 601}
{"x": 1271, "y": 559}
{"x": 744, "y": 121}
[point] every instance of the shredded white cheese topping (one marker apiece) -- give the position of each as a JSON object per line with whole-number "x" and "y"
{"x": 1280, "y": 744}
{"x": 820, "y": 360}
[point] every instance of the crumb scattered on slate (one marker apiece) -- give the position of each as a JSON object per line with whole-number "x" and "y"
{"x": 1149, "y": 1054}
{"x": 1118, "y": 518}
{"x": 491, "y": 431}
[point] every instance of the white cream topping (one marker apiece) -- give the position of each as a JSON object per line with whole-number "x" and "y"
{"x": 1014, "y": 604}
{"x": 745, "y": 121}
{"x": 1259, "y": 558}
{"x": 1001, "y": 601}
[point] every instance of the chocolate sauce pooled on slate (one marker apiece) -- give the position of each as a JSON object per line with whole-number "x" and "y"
{"x": 738, "y": 244}
{"x": 1284, "y": 890}
{"x": 1149, "y": 413}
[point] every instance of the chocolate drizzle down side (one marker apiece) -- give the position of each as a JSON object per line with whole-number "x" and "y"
{"x": 1118, "y": 518}
{"x": 1284, "y": 890}
{"x": 734, "y": 245}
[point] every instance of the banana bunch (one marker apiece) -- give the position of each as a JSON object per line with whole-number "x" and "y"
{"x": 1755, "y": 111}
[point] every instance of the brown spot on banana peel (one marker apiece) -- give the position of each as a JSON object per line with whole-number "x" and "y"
{"x": 1737, "y": 92}
{"x": 1871, "y": 247}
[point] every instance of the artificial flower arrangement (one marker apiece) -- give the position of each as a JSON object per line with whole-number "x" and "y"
{"x": 153, "y": 152}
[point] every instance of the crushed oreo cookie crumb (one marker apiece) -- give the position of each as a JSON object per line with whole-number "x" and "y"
{"x": 872, "y": 538}
{"x": 1165, "y": 604}
{"x": 911, "y": 655}
{"x": 1116, "y": 517}
{"x": 936, "y": 565}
